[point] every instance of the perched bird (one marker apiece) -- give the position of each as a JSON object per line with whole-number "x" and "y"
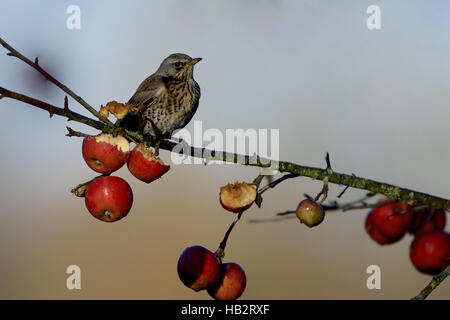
{"x": 167, "y": 100}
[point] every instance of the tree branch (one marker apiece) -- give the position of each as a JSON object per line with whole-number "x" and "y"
{"x": 409, "y": 196}
{"x": 394, "y": 192}
{"x": 14, "y": 53}
{"x": 274, "y": 183}
{"x": 432, "y": 285}
{"x": 64, "y": 112}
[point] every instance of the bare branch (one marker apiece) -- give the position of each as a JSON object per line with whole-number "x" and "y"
{"x": 73, "y": 133}
{"x": 437, "y": 280}
{"x": 274, "y": 183}
{"x": 64, "y": 112}
{"x": 14, "y": 53}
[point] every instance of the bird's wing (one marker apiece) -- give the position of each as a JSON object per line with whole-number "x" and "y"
{"x": 148, "y": 90}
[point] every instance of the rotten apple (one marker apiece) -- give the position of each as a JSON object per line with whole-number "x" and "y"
{"x": 237, "y": 197}
{"x": 310, "y": 213}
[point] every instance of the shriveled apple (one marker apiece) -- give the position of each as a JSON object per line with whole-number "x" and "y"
{"x": 237, "y": 197}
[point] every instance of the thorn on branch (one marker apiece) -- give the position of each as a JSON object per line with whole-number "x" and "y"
{"x": 307, "y": 196}
{"x": 73, "y": 133}
{"x": 343, "y": 191}
{"x": 327, "y": 159}
{"x": 346, "y": 188}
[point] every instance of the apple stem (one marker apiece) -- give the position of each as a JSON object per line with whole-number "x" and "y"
{"x": 220, "y": 252}
{"x": 80, "y": 189}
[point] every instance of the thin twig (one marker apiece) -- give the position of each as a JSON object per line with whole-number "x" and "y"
{"x": 286, "y": 212}
{"x": 275, "y": 219}
{"x": 274, "y": 183}
{"x": 64, "y": 112}
{"x": 437, "y": 280}
{"x": 220, "y": 252}
{"x": 14, "y": 53}
{"x": 73, "y": 133}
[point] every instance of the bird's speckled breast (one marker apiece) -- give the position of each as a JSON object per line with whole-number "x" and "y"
{"x": 180, "y": 102}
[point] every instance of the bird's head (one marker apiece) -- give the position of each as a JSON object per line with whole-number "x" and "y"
{"x": 178, "y": 66}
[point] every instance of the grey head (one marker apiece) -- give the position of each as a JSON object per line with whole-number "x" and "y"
{"x": 178, "y": 66}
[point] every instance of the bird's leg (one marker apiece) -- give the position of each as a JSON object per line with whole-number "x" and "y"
{"x": 158, "y": 136}
{"x": 157, "y": 144}
{"x": 148, "y": 138}
{"x": 178, "y": 140}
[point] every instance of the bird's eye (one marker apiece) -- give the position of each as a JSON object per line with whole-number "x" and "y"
{"x": 177, "y": 64}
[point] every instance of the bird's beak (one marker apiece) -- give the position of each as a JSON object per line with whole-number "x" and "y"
{"x": 194, "y": 61}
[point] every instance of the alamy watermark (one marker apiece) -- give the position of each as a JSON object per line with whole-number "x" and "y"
{"x": 374, "y": 280}
{"x": 73, "y": 22}
{"x": 74, "y": 280}
{"x": 251, "y": 145}
{"x": 373, "y": 22}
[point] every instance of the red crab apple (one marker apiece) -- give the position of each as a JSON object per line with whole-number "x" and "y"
{"x": 430, "y": 251}
{"x": 310, "y": 213}
{"x": 198, "y": 268}
{"x": 144, "y": 165}
{"x": 388, "y": 223}
{"x": 427, "y": 220}
{"x": 231, "y": 283}
{"x": 109, "y": 198}
{"x": 237, "y": 197}
{"x": 374, "y": 233}
{"x": 105, "y": 153}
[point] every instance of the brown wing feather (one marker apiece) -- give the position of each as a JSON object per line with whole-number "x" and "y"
{"x": 147, "y": 91}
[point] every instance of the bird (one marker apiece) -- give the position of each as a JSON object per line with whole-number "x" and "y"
{"x": 166, "y": 100}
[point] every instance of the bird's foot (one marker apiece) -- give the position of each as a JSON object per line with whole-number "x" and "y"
{"x": 178, "y": 140}
{"x": 157, "y": 144}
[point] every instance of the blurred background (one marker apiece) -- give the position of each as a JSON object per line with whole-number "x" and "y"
{"x": 376, "y": 100}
